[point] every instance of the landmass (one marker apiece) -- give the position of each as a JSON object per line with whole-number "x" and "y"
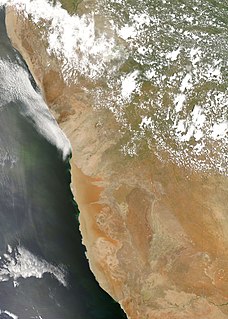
{"x": 156, "y": 233}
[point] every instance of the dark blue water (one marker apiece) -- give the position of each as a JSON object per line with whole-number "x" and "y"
{"x": 43, "y": 269}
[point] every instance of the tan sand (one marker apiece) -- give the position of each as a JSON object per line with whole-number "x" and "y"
{"x": 156, "y": 234}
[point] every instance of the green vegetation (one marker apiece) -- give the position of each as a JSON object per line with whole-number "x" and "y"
{"x": 70, "y": 5}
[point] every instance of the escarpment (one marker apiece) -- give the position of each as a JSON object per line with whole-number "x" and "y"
{"x": 156, "y": 234}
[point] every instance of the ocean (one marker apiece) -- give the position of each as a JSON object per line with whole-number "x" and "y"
{"x": 44, "y": 273}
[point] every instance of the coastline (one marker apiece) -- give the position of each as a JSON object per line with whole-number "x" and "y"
{"x": 84, "y": 188}
{"x": 168, "y": 266}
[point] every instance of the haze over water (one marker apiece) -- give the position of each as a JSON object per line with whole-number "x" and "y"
{"x": 158, "y": 68}
{"x": 43, "y": 270}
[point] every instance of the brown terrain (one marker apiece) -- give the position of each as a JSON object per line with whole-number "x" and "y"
{"x": 156, "y": 234}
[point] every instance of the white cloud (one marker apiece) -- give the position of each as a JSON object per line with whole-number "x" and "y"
{"x": 129, "y": 84}
{"x": 219, "y": 130}
{"x": 24, "y": 265}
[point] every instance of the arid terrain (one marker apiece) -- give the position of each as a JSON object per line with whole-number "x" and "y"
{"x": 156, "y": 233}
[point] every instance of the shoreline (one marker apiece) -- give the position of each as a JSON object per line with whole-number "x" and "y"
{"x": 143, "y": 230}
{"x": 85, "y": 192}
